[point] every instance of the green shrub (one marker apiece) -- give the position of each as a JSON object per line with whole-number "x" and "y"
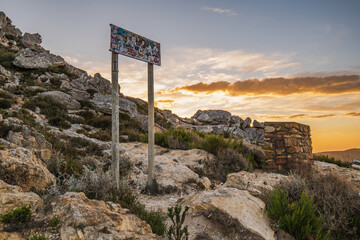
{"x": 37, "y": 237}
{"x": 332, "y": 160}
{"x": 56, "y": 82}
{"x": 299, "y": 218}
{"x": 103, "y": 122}
{"x": 336, "y": 200}
{"x": 279, "y": 205}
{"x": 6, "y": 58}
{"x": 6, "y": 103}
{"x": 61, "y": 69}
{"x": 18, "y": 215}
{"x": 176, "y": 231}
{"x": 127, "y": 199}
{"x": 91, "y": 91}
{"x": 54, "y": 221}
{"x": 55, "y": 112}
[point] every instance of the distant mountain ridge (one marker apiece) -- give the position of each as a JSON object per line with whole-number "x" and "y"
{"x": 345, "y": 156}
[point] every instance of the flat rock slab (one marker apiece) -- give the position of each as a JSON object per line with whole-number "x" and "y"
{"x": 37, "y": 58}
{"x": 98, "y": 219}
{"x": 240, "y": 205}
{"x": 19, "y": 166}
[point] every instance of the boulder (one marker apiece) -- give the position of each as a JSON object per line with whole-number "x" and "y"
{"x": 104, "y": 103}
{"x": 257, "y": 183}
{"x": 37, "y": 57}
{"x": 239, "y": 205}
{"x": 237, "y": 121}
{"x": 69, "y": 101}
{"x": 97, "y": 83}
{"x": 246, "y": 123}
{"x": 82, "y": 218}
{"x": 12, "y": 197}
{"x": 347, "y": 174}
{"x": 173, "y": 168}
{"x": 241, "y": 134}
{"x": 258, "y": 125}
{"x": 213, "y": 116}
{"x": 19, "y": 166}
{"x": 6, "y": 26}
{"x": 28, "y": 137}
{"x": 29, "y": 40}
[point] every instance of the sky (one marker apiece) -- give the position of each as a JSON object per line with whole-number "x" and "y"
{"x": 278, "y": 60}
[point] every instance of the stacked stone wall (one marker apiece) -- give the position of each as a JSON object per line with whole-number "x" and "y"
{"x": 286, "y": 143}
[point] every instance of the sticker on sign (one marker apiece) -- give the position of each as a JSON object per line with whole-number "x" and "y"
{"x": 135, "y": 46}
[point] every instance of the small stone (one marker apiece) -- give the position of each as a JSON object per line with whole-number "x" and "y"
{"x": 246, "y": 123}
{"x": 269, "y": 129}
{"x": 258, "y": 125}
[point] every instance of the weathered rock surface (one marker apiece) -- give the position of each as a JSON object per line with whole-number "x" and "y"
{"x": 6, "y": 26}
{"x": 11, "y": 236}
{"x": 37, "y": 57}
{"x": 19, "y": 166}
{"x": 12, "y": 197}
{"x": 103, "y": 102}
{"x": 213, "y": 116}
{"x": 347, "y": 174}
{"x": 172, "y": 167}
{"x": 63, "y": 98}
{"x": 83, "y": 218}
{"x": 240, "y": 205}
{"x": 29, "y": 39}
{"x": 258, "y": 182}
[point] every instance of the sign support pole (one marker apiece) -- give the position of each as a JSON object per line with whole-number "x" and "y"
{"x": 151, "y": 151}
{"x": 115, "y": 117}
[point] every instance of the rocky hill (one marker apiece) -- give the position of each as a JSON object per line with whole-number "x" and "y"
{"x": 56, "y": 169}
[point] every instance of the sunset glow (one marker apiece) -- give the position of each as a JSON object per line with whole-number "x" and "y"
{"x": 271, "y": 61}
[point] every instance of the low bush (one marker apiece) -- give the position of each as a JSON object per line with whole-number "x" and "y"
{"x": 228, "y": 151}
{"x": 55, "y": 112}
{"x": 18, "y": 215}
{"x": 54, "y": 221}
{"x": 323, "y": 158}
{"x": 6, "y": 103}
{"x": 91, "y": 91}
{"x": 56, "y": 82}
{"x": 6, "y": 58}
{"x": 127, "y": 199}
{"x": 297, "y": 218}
{"x": 336, "y": 200}
{"x": 37, "y": 237}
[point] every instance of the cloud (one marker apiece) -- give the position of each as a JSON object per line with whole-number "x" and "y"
{"x": 279, "y": 86}
{"x": 229, "y": 12}
{"x": 353, "y": 114}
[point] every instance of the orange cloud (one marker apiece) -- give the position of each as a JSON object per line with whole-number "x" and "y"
{"x": 278, "y": 86}
{"x": 353, "y": 114}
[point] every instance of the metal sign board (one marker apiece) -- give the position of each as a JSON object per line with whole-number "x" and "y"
{"x": 135, "y": 46}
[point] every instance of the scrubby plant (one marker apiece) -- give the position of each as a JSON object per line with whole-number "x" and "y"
{"x": 323, "y": 158}
{"x": 56, "y": 82}
{"x": 7, "y": 56}
{"x": 336, "y": 200}
{"x": 55, "y": 112}
{"x": 6, "y": 103}
{"x": 127, "y": 199}
{"x": 297, "y": 218}
{"x": 18, "y": 215}
{"x": 176, "y": 231}
{"x": 54, "y": 221}
{"x": 37, "y": 237}
{"x": 91, "y": 91}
